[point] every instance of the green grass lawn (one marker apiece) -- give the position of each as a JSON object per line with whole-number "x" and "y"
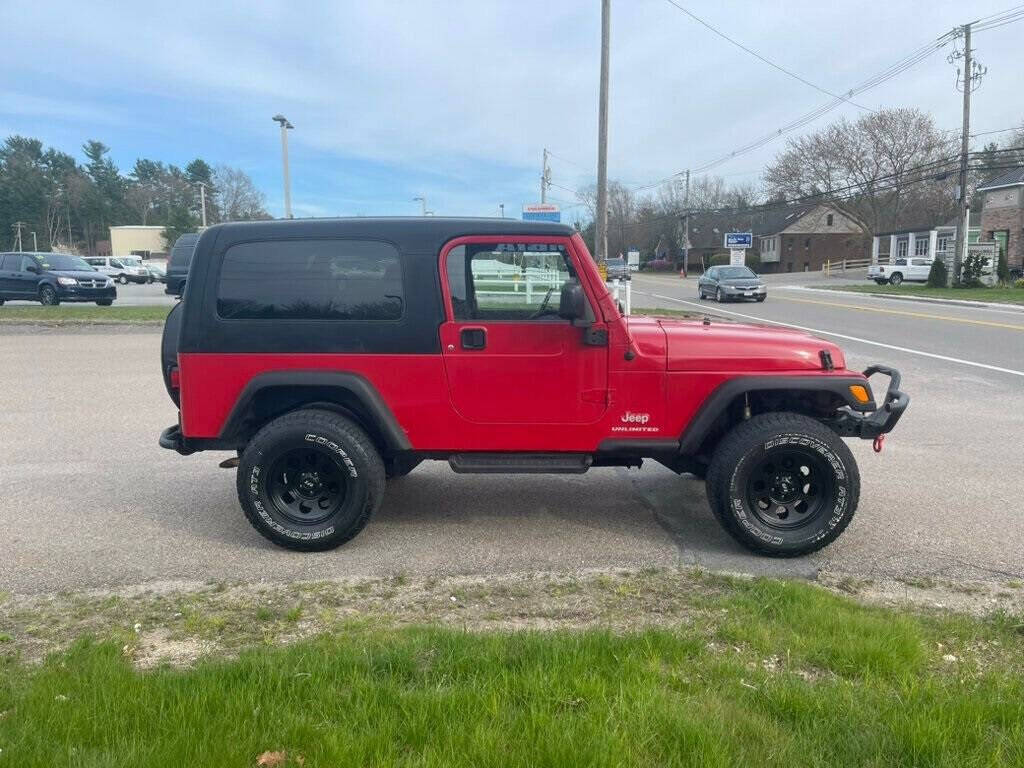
{"x": 760, "y": 673}
{"x": 83, "y": 314}
{"x": 1004, "y": 295}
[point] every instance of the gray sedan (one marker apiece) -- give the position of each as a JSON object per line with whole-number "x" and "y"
{"x": 728, "y": 282}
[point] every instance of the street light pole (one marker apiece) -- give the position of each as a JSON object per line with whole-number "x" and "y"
{"x": 35, "y": 243}
{"x": 423, "y": 204}
{"x": 202, "y": 201}
{"x": 285, "y": 127}
{"x": 501, "y": 207}
{"x": 601, "y": 229}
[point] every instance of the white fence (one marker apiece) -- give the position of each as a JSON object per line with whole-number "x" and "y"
{"x": 532, "y": 284}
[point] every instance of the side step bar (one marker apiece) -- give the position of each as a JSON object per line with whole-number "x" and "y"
{"x": 521, "y": 463}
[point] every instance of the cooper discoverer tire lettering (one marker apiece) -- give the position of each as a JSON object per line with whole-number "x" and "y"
{"x": 310, "y": 480}
{"x": 783, "y": 484}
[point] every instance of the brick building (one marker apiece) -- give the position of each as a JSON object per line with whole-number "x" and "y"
{"x": 793, "y": 238}
{"x": 1002, "y": 214}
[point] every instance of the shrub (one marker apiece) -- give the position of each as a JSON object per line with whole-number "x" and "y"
{"x": 970, "y": 272}
{"x": 1019, "y": 283}
{"x": 938, "y": 274}
{"x": 1002, "y": 270}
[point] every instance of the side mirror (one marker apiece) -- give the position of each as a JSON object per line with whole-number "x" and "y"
{"x": 572, "y": 302}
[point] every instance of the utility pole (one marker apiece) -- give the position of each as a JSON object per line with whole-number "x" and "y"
{"x": 601, "y": 225}
{"x": 686, "y": 230}
{"x": 423, "y": 205}
{"x": 285, "y": 127}
{"x": 35, "y": 243}
{"x": 202, "y": 201}
{"x": 545, "y": 178}
{"x": 972, "y": 72}
{"x": 501, "y": 207}
{"x": 16, "y": 226}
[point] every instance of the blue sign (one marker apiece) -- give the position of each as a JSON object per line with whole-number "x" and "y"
{"x": 739, "y": 240}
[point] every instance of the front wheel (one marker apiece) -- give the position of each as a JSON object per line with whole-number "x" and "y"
{"x": 310, "y": 480}
{"x": 104, "y": 302}
{"x": 48, "y": 297}
{"x": 719, "y": 297}
{"x": 762, "y": 298}
{"x": 896, "y": 279}
{"x": 700, "y": 293}
{"x": 783, "y": 484}
{"x": 122, "y": 279}
{"x": 881, "y": 282}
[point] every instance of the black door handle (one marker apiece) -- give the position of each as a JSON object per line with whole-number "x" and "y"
{"x": 474, "y": 338}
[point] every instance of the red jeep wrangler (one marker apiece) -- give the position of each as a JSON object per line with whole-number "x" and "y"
{"x": 332, "y": 354}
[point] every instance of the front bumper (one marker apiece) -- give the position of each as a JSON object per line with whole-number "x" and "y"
{"x": 744, "y": 293}
{"x": 78, "y": 293}
{"x": 870, "y": 425}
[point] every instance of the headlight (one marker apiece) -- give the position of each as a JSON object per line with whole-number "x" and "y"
{"x": 67, "y": 281}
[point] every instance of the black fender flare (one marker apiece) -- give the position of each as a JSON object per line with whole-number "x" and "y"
{"x": 355, "y": 384}
{"x": 718, "y": 401}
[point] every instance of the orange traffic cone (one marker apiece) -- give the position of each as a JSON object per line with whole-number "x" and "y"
{"x": 682, "y": 273}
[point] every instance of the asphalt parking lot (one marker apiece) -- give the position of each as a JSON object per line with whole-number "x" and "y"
{"x": 89, "y": 499}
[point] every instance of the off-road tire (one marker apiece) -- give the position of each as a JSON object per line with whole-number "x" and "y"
{"x": 746, "y": 448}
{"x": 895, "y": 279}
{"x": 337, "y": 442}
{"x": 48, "y": 296}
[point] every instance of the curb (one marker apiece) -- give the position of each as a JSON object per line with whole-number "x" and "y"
{"x": 924, "y": 299}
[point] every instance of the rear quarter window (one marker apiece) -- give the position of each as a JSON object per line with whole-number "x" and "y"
{"x": 311, "y": 280}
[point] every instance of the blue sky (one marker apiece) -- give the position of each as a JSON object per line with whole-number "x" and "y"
{"x": 455, "y": 100}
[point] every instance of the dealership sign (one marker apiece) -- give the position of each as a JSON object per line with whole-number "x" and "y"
{"x": 541, "y": 212}
{"x": 739, "y": 240}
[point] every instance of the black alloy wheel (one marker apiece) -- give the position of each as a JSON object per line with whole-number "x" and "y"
{"x": 788, "y": 488}
{"x": 307, "y": 485}
{"x": 48, "y": 297}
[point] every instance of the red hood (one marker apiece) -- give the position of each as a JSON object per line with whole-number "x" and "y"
{"x": 721, "y": 346}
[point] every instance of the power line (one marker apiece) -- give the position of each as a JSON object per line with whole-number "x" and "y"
{"x": 758, "y": 56}
{"x": 908, "y": 61}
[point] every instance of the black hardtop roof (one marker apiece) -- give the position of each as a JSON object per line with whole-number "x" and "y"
{"x": 410, "y": 233}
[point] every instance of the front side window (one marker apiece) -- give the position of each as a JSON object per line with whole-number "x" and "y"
{"x": 508, "y": 281}
{"x": 27, "y": 262}
{"x": 311, "y": 280}
{"x": 65, "y": 262}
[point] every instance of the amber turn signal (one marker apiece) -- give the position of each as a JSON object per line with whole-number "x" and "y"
{"x": 860, "y": 393}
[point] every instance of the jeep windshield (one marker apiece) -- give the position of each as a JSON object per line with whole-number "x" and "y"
{"x": 65, "y": 262}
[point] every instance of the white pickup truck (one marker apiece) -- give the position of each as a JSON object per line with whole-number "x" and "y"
{"x": 914, "y": 269}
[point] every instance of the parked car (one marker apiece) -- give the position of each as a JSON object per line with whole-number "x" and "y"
{"x": 618, "y": 269}
{"x": 329, "y": 356}
{"x": 913, "y": 270}
{"x": 178, "y": 263}
{"x": 729, "y": 283}
{"x": 157, "y": 273}
{"x": 123, "y": 269}
{"x": 51, "y": 278}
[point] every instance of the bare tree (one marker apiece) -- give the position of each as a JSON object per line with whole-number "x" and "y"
{"x": 238, "y": 196}
{"x": 889, "y": 168}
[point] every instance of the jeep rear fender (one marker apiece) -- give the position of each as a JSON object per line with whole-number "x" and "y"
{"x": 716, "y": 405}
{"x": 269, "y": 395}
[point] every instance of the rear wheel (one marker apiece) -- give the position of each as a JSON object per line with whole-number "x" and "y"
{"x": 783, "y": 484}
{"x": 48, "y": 296}
{"x": 896, "y": 278}
{"x": 122, "y": 279}
{"x": 104, "y": 302}
{"x": 310, "y": 480}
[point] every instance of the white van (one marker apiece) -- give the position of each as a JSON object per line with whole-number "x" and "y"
{"x": 124, "y": 269}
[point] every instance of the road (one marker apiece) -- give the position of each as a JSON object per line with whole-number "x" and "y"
{"x": 87, "y": 499}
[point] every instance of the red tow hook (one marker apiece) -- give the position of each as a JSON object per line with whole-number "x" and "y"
{"x": 878, "y": 443}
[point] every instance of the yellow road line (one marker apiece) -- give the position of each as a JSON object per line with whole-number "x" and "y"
{"x": 904, "y": 312}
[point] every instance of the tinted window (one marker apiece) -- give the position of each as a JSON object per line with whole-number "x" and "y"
{"x": 11, "y": 262}
{"x": 65, "y": 262}
{"x": 26, "y": 262}
{"x": 311, "y": 280}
